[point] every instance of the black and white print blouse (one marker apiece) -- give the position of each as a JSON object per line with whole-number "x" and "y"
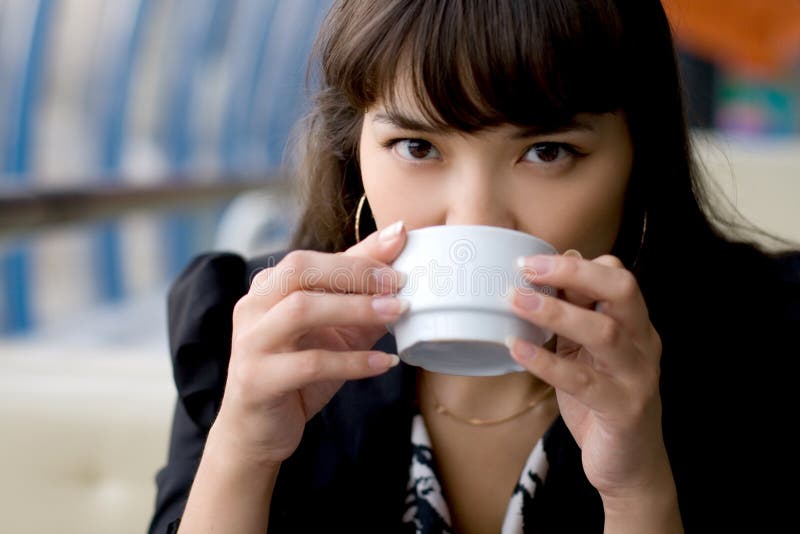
{"x": 426, "y": 510}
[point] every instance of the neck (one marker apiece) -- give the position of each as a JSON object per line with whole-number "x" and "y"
{"x": 484, "y": 397}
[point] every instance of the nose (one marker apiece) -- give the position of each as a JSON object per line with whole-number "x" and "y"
{"x": 479, "y": 197}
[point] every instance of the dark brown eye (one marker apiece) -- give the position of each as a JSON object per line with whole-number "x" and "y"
{"x": 547, "y": 152}
{"x": 416, "y": 149}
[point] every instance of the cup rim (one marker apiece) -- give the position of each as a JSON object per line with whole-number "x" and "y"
{"x": 480, "y": 228}
{"x": 477, "y": 227}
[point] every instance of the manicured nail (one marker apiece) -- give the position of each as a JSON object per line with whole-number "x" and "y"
{"x": 540, "y": 264}
{"x": 382, "y": 360}
{"x": 522, "y": 349}
{"x": 528, "y": 301}
{"x": 391, "y": 231}
{"x": 389, "y": 306}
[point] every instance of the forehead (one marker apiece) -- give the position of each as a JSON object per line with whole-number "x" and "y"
{"x": 408, "y": 111}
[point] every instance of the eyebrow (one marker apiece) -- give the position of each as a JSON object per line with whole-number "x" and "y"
{"x": 408, "y": 123}
{"x": 572, "y": 125}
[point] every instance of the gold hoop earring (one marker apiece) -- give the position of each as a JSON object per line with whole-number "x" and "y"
{"x": 641, "y": 241}
{"x": 358, "y": 216}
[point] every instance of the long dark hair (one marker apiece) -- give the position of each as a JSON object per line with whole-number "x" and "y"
{"x": 721, "y": 304}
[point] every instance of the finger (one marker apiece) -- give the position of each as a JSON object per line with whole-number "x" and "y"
{"x": 382, "y": 245}
{"x": 302, "y": 311}
{"x": 575, "y": 297}
{"x": 312, "y": 270}
{"x": 649, "y": 341}
{"x": 616, "y": 289}
{"x": 601, "y": 335}
{"x": 591, "y": 388}
{"x": 286, "y": 372}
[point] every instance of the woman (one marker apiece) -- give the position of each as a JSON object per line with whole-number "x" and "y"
{"x": 562, "y": 119}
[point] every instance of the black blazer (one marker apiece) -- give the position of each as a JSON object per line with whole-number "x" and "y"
{"x": 350, "y": 471}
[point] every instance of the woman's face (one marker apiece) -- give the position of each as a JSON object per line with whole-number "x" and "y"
{"x": 566, "y": 187}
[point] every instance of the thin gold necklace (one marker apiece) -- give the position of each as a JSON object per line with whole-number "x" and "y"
{"x": 475, "y": 421}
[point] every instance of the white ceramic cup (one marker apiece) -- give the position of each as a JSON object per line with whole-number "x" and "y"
{"x": 459, "y": 282}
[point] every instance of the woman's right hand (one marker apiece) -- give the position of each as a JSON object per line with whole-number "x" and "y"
{"x": 304, "y": 328}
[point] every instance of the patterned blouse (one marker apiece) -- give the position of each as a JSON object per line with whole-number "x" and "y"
{"x": 426, "y": 511}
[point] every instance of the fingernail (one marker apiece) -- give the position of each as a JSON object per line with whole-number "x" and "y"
{"x": 528, "y": 301}
{"x": 382, "y": 360}
{"x": 540, "y": 264}
{"x": 523, "y": 350}
{"x": 391, "y": 231}
{"x": 389, "y": 306}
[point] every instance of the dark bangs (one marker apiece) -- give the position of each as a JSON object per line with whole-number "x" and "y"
{"x": 472, "y": 64}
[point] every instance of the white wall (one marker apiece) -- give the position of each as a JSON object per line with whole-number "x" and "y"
{"x": 761, "y": 178}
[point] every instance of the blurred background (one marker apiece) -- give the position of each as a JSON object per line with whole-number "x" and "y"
{"x": 135, "y": 134}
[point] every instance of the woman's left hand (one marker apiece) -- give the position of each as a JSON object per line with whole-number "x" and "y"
{"x": 605, "y": 370}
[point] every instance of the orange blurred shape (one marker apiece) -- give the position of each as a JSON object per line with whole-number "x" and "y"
{"x": 760, "y": 37}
